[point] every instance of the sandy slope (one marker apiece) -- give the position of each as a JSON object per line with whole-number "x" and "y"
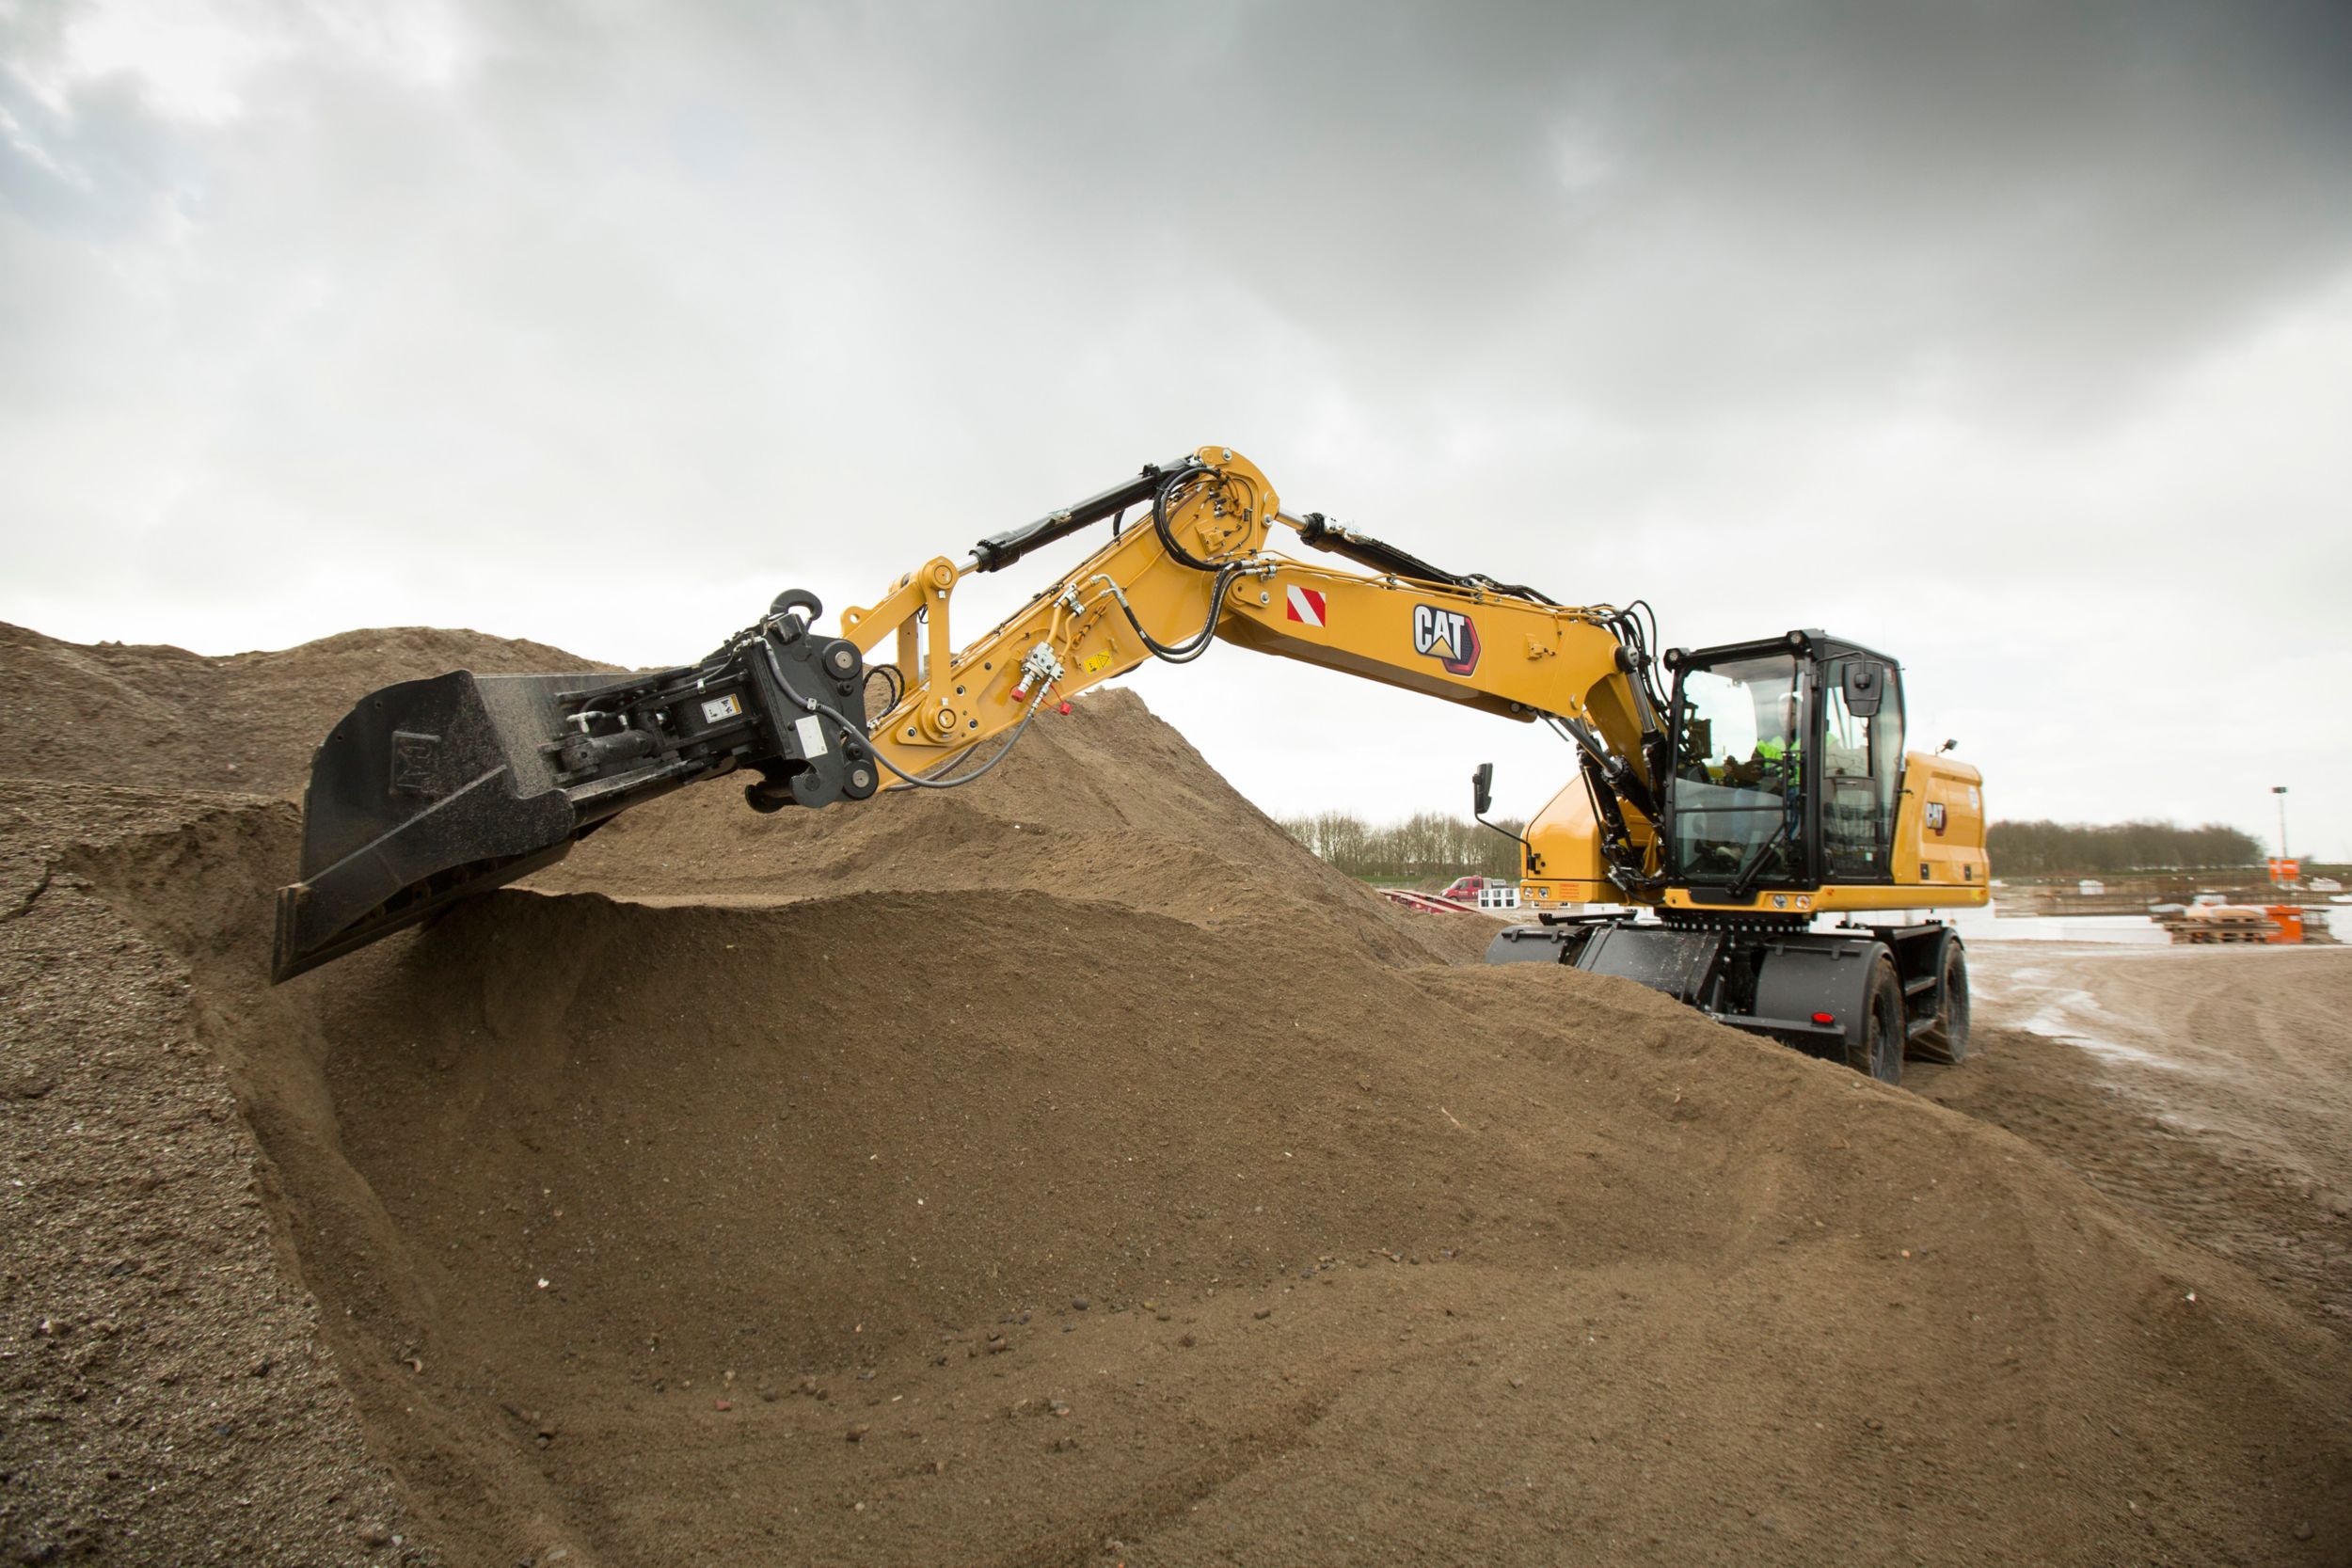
{"x": 2208, "y": 1087}
{"x": 1382, "y": 1260}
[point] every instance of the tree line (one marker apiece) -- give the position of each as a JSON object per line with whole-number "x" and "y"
{"x": 1430, "y": 847}
{"x": 1424, "y": 846}
{"x": 2050, "y": 848}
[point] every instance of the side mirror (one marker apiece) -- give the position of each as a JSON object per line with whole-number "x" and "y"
{"x": 1866, "y": 688}
{"x": 1481, "y": 789}
{"x": 1945, "y": 747}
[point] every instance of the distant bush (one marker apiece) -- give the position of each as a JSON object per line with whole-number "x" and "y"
{"x": 1424, "y": 846}
{"x": 2051, "y": 848}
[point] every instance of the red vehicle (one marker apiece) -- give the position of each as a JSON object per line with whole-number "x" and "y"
{"x": 1465, "y": 890}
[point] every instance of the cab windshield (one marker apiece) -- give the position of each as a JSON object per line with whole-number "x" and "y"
{"x": 1739, "y": 796}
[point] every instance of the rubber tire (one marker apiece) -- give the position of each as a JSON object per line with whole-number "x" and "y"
{"x": 1879, "y": 1053}
{"x": 1947, "y": 1038}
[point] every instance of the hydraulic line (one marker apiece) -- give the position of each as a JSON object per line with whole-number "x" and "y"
{"x": 850, "y": 726}
{"x": 1181, "y": 653}
{"x": 1191, "y": 647}
{"x": 895, "y": 681}
{"x": 916, "y": 780}
{"x": 1160, "y": 526}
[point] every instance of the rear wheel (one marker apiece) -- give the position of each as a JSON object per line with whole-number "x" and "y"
{"x": 1877, "y": 1051}
{"x": 1947, "y": 1038}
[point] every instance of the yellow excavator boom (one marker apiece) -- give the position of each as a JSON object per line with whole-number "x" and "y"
{"x": 1770, "y": 788}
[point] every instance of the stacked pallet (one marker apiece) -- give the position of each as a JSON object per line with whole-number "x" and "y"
{"x": 2222, "y": 922}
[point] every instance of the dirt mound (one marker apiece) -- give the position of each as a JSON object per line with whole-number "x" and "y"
{"x": 169, "y": 1397}
{"x": 990, "y": 1211}
{"x": 1108, "y": 798}
{"x": 1106, "y": 802}
{"x": 162, "y": 718}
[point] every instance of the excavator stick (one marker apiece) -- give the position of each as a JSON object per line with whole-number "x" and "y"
{"x": 432, "y": 790}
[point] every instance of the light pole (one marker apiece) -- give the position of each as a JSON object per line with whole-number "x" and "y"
{"x": 2280, "y": 791}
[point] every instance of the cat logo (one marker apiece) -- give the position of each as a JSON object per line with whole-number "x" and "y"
{"x": 1935, "y": 816}
{"x": 1446, "y": 635}
{"x": 415, "y": 757}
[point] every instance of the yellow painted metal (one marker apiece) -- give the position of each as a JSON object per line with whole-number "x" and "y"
{"x": 1564, "y": 851}
{"x": 919, "y": 595}
{"x": 1565, "y": 863}
{"x": 964, "y": 697}
{"x": 1939, "y": 828}
{"x": 1529, "y": 658}
{"x": 1509, "y": 657}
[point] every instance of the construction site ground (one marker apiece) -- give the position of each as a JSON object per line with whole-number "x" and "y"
{"x": 1071, "y": 1170}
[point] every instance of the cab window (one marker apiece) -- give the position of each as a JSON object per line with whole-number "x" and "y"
{"x": 1739, "y": 804}
{"x": 1861, "y": 770}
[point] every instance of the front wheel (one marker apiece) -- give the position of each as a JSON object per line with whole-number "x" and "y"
{"x": 1947, "y": 1038}
{"x": 1877, "y": 1049}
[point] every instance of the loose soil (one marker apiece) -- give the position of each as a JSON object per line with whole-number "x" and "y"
{"x": 1067, "y": 1170}
{"x": 2207, "y": 1087}
{"x": 164, "y": 719}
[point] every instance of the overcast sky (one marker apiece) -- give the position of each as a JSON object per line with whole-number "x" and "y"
{"x": 2013, "y": 339}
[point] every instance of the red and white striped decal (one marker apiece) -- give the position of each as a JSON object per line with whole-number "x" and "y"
{"x": 1305, "y": 605}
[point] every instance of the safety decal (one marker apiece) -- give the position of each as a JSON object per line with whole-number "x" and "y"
{"x": 1447, "y": 636}
{"x": 1304, "y": 604}
{"x": 1095, "y": 661}
{"x": 719, "y": 709}
{"x": 1935, "y": 816}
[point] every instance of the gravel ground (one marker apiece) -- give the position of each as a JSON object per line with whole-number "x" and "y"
{"x": 167, "y": 1396}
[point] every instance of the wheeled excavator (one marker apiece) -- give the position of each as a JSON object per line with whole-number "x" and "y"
{"x": 1726, "y": 805}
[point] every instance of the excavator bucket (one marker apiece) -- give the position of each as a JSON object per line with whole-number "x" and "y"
{"x": 427, "y": 791}
{"x": 433, "y": 790}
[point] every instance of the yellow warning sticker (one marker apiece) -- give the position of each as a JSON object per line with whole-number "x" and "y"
{"x": 1095, "y": 661}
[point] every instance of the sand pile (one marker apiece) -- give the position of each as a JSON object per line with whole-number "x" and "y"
{"x": 1106, "y": 802}
{"x": 162, "y": 717}
{"x": 989, "y": 1211}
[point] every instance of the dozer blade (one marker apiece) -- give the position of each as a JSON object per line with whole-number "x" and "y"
{"x": 427, "y": 791}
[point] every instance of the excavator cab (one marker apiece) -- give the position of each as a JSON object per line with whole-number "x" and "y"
{"x": 1784, "y": 794}
{"x": 1786, "y": 766}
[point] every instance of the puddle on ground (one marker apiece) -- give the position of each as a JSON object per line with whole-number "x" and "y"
{"x": 2060, "y": 1017}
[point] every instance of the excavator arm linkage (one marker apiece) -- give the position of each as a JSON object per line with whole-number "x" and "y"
{"x": 434, "y": 790}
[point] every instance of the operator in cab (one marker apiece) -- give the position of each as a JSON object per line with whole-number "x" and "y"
{"x": 1781, "y": 748}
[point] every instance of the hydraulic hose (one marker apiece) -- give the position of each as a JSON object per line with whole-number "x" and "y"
{"x": 1191, "y": 647}
{"x": 915, "y": 780}
{"x": 1168, "y": 535}
{"x": 775, "y": 667}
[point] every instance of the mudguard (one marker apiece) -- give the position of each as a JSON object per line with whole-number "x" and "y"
{"x": 1812, "y": 975}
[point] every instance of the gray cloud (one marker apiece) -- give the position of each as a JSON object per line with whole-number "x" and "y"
{"x": 2017, "y": 337}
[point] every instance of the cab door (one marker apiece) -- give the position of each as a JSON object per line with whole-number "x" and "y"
{"x": 1861, "y": 751}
